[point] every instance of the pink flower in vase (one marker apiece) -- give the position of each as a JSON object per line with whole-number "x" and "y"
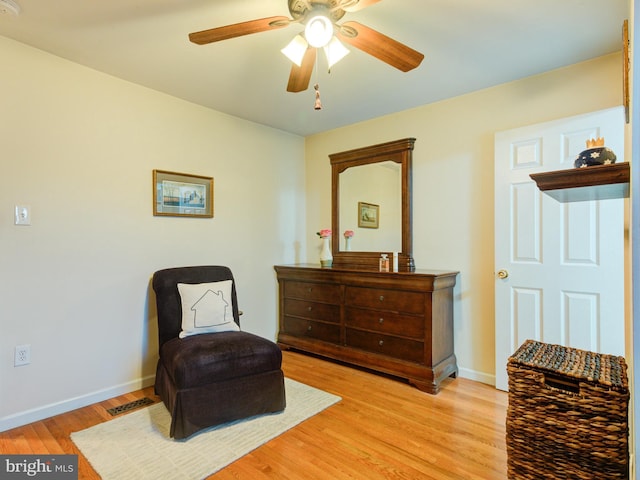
{"x": 348, "y": 234}
{"x": 326, "y": 258}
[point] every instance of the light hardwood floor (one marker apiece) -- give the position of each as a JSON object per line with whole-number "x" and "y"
{"x": 382, "y": 429}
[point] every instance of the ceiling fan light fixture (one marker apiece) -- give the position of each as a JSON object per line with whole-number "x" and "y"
{"x": 319, "y": 19}
{"x": 335, "y": 51}
{"x": 318, "y": 31}
{"x": 296, "y": 49}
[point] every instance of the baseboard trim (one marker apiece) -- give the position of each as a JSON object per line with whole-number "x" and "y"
{"x": 46, "y": 411}
{"x": 477, "y": 376}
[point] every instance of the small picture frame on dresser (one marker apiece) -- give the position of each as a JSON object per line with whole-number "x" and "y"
{"x": 368, "y": 215}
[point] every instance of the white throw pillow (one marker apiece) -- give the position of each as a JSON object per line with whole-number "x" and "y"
{"x": 206, "y": 308}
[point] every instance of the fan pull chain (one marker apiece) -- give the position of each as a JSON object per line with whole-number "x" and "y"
{"x": 317, "y": 104}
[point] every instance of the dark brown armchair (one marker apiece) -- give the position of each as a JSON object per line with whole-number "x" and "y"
{"x": 223, "y": 374}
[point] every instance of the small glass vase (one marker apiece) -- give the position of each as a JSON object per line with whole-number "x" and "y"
{"x": 347, "y": 244}
{"x": 326, "y": 259}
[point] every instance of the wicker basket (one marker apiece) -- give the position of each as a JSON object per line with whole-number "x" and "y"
{"x": 567, "y": 414}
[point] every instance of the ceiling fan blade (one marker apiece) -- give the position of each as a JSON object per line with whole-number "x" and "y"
{"x": 380, "y": 46}
{"x": 300, "y": 75}
{"x": 238, "y": 30}
{"x": 355, "y": 5}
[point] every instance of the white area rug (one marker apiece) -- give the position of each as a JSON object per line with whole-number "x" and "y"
{"x": 137, "y": 446}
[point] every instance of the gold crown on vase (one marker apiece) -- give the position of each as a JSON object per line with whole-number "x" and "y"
{"x": 597, "y": 142}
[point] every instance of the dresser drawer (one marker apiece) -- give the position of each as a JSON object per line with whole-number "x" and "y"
{"x": 402, "y": 348}
{"x": 312, "y": 310}
{"x": 393, "y": 300}
{"x": 319, "y": 292}
{"x": 308, "y": 328}
{"x": 385, "y": 322}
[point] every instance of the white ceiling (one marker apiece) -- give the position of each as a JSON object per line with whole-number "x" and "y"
{"x": 468, "y": 45}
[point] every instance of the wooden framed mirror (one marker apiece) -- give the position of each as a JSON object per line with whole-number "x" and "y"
{"x": 371, "y": 196}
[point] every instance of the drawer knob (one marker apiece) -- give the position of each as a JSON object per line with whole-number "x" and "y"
{"x": 309, "y": 308}
{"x": 382, "y": 298}
{"x": 381, "y": 321}
{"x": 310, "y": 289}
{"x": 309, "y": 328}
{"x": 381, "y": 342}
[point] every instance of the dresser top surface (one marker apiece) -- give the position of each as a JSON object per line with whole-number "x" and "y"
{"x": 415, "y": 273}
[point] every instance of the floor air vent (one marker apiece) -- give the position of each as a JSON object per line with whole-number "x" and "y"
{"x": 130, "y": 406}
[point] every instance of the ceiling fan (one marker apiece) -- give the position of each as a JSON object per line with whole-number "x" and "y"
{"x": 320, "y": 17}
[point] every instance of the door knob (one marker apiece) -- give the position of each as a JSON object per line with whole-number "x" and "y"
{"x": 502, "y": 274}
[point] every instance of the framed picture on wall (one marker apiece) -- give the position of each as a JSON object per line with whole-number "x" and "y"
{"x": 182, "y": 195}
{"x": 368, "y": 215}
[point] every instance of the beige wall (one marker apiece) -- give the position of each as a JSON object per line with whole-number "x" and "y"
{"x": 79, "y": 147}
{"x": 453, "y": 211}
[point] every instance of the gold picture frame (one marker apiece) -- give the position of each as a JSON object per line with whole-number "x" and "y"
{"x": 368, "y": 215}
{"x": 182, "y": 194}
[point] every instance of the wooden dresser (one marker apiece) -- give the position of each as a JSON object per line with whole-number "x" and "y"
{"x": 398, "y": 323}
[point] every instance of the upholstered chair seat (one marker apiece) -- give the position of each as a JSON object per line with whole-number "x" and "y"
{"x": 201, "y": 359}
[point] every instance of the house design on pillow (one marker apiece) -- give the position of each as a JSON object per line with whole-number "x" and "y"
{"x": 210, "y": 309}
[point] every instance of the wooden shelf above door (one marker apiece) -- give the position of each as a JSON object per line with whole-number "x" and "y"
{"x": 598, "y": 182}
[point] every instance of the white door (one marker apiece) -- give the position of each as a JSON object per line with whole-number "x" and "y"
{"x": 564, "y": 261}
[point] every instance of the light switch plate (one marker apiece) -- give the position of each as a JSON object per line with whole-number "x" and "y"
{"x": 23, "y": 215}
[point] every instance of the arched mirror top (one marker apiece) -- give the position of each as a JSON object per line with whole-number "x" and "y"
{"x": 371, "y": 195}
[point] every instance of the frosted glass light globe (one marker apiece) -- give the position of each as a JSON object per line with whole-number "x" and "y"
{"x": 318, "y": 31}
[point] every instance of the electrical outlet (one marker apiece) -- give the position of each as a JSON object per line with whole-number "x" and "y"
{"x": 22, "y": 355}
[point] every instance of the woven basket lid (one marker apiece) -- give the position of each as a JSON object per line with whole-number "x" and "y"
{"x": 592, "y": 367}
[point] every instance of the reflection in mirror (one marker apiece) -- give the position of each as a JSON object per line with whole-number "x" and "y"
{"x": 379, "y": 184}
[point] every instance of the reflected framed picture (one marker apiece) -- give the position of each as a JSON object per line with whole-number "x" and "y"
{"x": 368, "y": 215}
{"x": 182, "y": 195}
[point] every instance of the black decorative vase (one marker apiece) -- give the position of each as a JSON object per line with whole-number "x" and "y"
{"x": 595, "y": 156}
